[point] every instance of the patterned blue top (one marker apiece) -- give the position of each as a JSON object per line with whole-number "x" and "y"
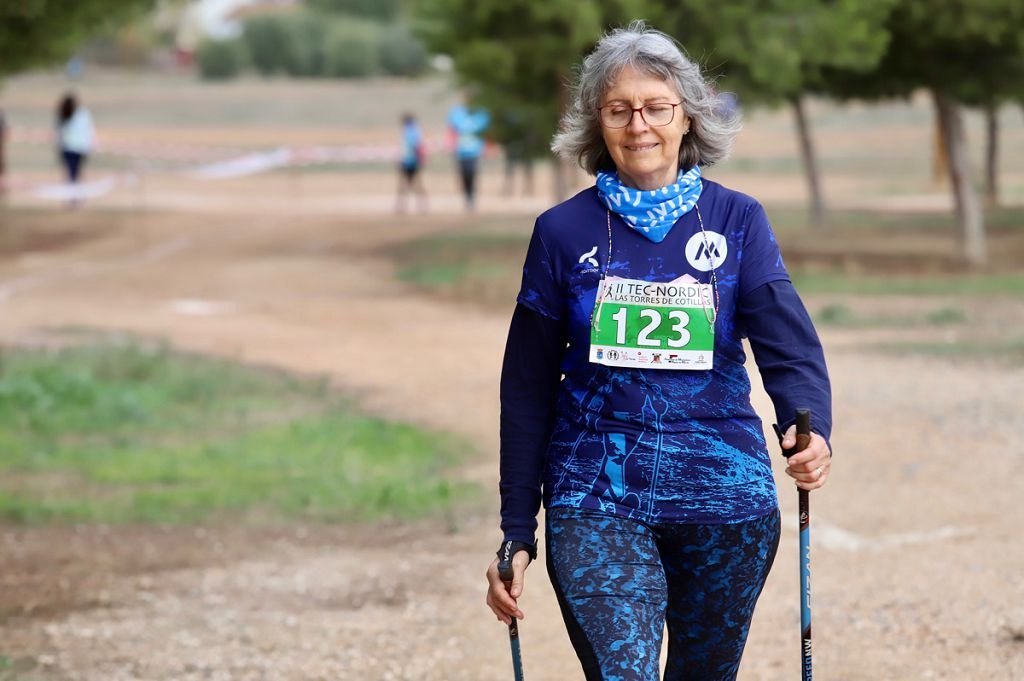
{"x": 655, "y": 445}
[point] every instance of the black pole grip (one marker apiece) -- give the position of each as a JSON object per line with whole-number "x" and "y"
{"x": 803, "y": 432}
{"x": 803, "y": 429}
{"x": 803, "y": 421}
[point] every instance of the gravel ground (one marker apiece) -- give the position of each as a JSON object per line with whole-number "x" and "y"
{"x": 917, "y": 539}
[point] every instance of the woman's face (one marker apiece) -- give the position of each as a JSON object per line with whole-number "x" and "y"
{"x": 646, "y": 157}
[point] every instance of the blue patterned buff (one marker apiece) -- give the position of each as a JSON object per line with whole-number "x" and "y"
{"x": 651, "y": 213}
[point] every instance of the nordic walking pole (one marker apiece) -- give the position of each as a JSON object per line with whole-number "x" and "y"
{"x": 803, "y": 438}
{"x": 505, "y": 573}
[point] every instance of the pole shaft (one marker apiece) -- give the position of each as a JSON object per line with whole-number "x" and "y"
{"x": 505, "y": 573}
{"x": 803, "y": 439}
{"x": 805, "y": 586}
{"x": 517, "y": 657}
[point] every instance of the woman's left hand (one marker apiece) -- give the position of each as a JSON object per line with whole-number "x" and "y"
{"x": 810, "y": 468}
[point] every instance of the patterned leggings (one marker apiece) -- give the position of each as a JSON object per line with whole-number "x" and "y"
{"x": 618, "y": 581}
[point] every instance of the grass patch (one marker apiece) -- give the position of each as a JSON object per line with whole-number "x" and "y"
{"x": 1007, "y": 284}
{"x": 836, "y": 315}
{"x": 123, "y": 432}
{"x": 787, "y": 219}
{"x": 1007, "y": 351}
{"x": 471, "y": 266}
{"x": 15, "y": 670}
{"x": 945, "y": 316}
{"x": 841, "y": 316}
{"x": 448, "y": 274}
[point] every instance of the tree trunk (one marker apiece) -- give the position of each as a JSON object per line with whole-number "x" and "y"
{"x": 971, "y": 228}
{"x": 940, "y": 160}
{"x": 810, "y": 164}
{"x": 992, "y": 155}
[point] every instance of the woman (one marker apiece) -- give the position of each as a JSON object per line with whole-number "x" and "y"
{"x": 661, "y": 506}
{"x": 75, "y": 134}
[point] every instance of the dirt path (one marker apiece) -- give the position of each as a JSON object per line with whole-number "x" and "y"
{"x": 917, "y": 549}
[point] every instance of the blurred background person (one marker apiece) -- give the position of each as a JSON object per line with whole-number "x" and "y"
{"x": 466, "y": 127}
{"x": 413, "y": 154}
{"x": 3, "y": 136}
{"x": 75, "y": 135}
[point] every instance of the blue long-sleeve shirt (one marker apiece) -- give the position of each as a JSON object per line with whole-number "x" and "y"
{"x": 562, "y": 438}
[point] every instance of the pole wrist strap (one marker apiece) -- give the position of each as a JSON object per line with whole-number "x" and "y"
{"x": 511, "y": 548}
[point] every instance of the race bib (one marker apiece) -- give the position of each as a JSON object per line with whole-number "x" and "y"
{"x": 644, "y": 325}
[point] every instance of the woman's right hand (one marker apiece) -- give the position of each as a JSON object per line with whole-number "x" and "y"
{"x": 502, "y": 599}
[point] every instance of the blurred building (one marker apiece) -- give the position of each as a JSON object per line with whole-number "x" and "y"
{"x": 218, "y": 19}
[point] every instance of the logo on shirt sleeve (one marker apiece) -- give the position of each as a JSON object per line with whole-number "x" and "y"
{"x": 706, "y": 250}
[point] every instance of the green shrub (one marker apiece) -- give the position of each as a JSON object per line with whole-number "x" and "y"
{"x": 351, "y": 50}
{"x": 373, "y": 9}
{"x": 401, "y": 53}
{"x": 307, "y": 35}
{"x": 314, "y": 44}
{"x": 290, "y": 43}
{"x": 269, "y": 43}
{"x": 221, "y": 59}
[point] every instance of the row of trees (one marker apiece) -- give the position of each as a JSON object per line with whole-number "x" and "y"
{"x": 41, "y": 32}
{"x": 304, "y": 43}
{"x": 519, "y": 56}
{"x": 322, "y": 38}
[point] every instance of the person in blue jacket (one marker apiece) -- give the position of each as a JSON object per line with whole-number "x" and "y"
{"x": 410, "y": 164}
{"x": 625, "y": 404}
{"x": 466, "y": 126}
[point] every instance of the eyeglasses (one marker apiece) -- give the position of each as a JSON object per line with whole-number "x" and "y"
{"x": 620, "y": 116}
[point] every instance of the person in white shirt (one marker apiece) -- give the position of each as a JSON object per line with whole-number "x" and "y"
{"x": 75, "y": 134}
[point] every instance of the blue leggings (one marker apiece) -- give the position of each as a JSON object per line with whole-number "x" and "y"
{"x": 618, "y": 581}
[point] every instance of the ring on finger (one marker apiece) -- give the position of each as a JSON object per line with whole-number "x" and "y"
{"x": 820, "y": 471}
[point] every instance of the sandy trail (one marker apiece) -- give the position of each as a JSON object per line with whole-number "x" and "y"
{"x": 917, "y": 539}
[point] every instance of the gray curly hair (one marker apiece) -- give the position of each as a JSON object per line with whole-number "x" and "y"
{"x": 579, "y": 138}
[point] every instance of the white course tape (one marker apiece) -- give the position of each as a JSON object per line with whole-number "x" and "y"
{"x": 193, "y": 307}
{"x": 75, "y": 192}
{"x": 221, "y": 162}
{"x": 250, "y": 164}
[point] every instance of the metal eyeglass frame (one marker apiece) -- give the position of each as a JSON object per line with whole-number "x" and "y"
{"x": 632, "y": 112}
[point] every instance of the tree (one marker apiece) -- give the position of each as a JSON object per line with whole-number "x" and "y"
{"x": 773, "y": 52}
{"x": 42, "y": 32}
{"x": 518, "y": 55}
{"x": 998, "y": 80}
{"x": 962, "y": 51}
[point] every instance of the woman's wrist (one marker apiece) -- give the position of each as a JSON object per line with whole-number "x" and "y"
{"x": 511, "y": 547}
